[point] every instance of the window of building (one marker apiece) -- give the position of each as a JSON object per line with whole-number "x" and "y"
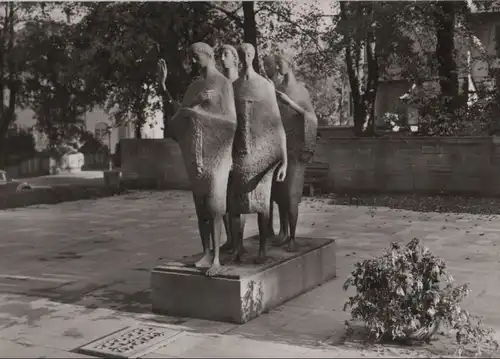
{"x": 101, "y": 131}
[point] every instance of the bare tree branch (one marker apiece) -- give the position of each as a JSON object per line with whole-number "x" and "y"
{"x": 230, "y": 14}
{"x": 313, "y": 35}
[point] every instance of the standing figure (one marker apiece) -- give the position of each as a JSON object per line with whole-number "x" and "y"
{"x": 204, "y": 126}
{"x": 301, "y": 124}
{"x": 259, "y": 152}
{"x": 230, "y": 68}
{"x": 270, "y": 68}
{"x": 271, "y": 72}
{"x": 230, "y": 62}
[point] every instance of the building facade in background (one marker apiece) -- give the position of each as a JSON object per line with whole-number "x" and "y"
{"x": 97, "y": 122}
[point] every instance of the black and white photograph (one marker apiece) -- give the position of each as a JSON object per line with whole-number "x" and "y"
{"x": 250, "y": 179}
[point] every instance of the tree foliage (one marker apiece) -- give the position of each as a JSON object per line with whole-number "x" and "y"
{"x": 296, "y": 28}
{"x": 13, "y": 15}
{"x": 108, "y": 58}
{"x": 378, "y": 41}
{"x": 122, "y": 42}
{"x": 19, "y": 145}
{"x": 54, "y": 87}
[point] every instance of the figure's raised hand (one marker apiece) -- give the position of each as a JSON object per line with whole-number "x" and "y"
{"x": 162, "y": 72}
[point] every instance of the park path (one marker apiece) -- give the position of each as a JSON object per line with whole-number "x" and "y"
{"x": 74, "y": 272}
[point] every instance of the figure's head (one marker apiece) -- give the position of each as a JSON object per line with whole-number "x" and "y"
{"x": 284, "y": 63}
{"x": 269, "y": 63}
{"x": 247, "y": 54}
{"x": 229, "y": 57}
{"x": 202, "y": 54}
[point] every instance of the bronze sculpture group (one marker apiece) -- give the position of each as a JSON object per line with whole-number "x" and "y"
{"x": 245, "y": 140}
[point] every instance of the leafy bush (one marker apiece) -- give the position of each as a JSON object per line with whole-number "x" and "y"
{"x": 394, "y": 122}
{"x": 473, "y": 120}
{"x": 407, "y": 294}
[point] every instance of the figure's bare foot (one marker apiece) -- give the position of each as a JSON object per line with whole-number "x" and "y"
{"x": 292, "y": 246}
{"x": 280, "y": 240}
{"x": 227, "y": 247}
{"x": 261, "y": 259}
{"x": 238, "y": 257}
{"x": 214, "y": 269}
{"x": 205, "y": 261}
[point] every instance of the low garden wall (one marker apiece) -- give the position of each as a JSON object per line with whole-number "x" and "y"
{"x": 466, "y": 165}
{"x": 37, "y": 166}
{"x": 152, "y": 163}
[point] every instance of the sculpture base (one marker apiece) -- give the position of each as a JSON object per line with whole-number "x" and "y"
{"x": 242, "y": 292}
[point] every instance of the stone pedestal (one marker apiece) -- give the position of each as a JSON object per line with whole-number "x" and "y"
{"x": 242, "y": 292}
{"x": 112, "y": 179}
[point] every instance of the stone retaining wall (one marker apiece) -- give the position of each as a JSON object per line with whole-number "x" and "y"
{"x": 152, "y": 163}
{"x": 467, "y": 165}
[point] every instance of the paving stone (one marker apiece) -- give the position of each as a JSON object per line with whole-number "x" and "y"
{"x": 207, "y": 326}
{"x": 316, "y": 327}
{"x": 195, "y": 345}
{"x": 156, "y": 355}
{"x": 98, "y": 253}
{"x": 65, "y": 354}
{"x": 182, "y": 343}
{"x": 61, "y": 326}
{"x": 11, "y": 349}
{"x": 266, "y": 324}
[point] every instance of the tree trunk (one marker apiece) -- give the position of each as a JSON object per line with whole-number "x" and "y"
{"x": 371, "y": 86}
{"x": 363, "y": 102}
{"x": 168, "y": 113}
{"x": 7, "y": 114}
{"x": 359, "y": 109}
{"x": 250, "y": 30}
{"x": 137, "y": 130}
{"x": 359, "y": 115}
{"x": 445, "y": 47}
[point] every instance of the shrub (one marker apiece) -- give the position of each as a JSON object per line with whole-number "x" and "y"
{"x": 473, "y": 120}
{"x": 407, "y": 294}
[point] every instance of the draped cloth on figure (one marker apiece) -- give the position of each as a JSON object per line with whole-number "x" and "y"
{"x": 300, "y": 129}
{"x": 205, "y": 135}
{"x": 257, "y": 149}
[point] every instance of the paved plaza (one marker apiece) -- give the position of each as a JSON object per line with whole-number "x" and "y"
{"x": 75, "y": 272}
